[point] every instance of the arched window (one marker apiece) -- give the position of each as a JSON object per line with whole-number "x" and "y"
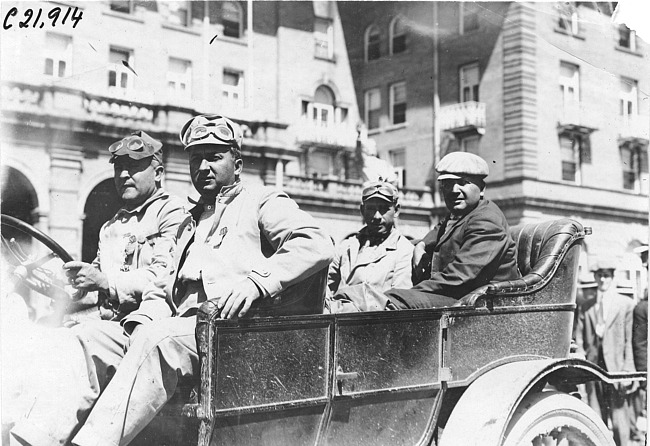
{"x": 231, "y": 19}
{"x": 397, "y": 32}
{"x": 372, "y": 43}
{"x": 19, "y": 197}
{"x": 102, "y": 203}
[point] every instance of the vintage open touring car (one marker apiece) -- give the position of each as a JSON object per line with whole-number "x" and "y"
{"x": 496, "y": 370}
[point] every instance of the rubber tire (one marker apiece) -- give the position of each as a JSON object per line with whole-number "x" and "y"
{"x": 542, "y": 412}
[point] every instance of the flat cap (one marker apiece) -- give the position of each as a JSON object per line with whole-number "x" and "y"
{"x": 602, "y": 264}
{"x": 211, "y": 129}
{"x": 379, "y": 189}
{"x": 136, "y": 146}
{"x": 458, "y": 164}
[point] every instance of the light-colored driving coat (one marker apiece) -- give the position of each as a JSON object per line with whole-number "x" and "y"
{"x": 389, "y": 267}
{"x": 261, "y": 235}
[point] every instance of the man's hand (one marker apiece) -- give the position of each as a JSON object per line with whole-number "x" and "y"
{"x": 418, "y": 253}
{"x": 240, "y": 299}
{"x": 85, "y": 277}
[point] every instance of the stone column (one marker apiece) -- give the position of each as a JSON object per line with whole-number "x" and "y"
{"x": 65, "y": 224}
{"x": 520, "y": 91}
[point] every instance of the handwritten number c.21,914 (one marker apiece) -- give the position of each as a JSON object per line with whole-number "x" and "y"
{"x": 31, "y": 18}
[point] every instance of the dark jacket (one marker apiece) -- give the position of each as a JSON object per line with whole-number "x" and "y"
{"x": 640, "y": 336}
{"x": 475, "y": 251}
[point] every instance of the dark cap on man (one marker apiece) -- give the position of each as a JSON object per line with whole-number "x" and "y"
{"x": 136, "y": 146}
{"x": 211, "y": 129}
{"x": 379, "y": 189}
{"x": 456, "y": 165}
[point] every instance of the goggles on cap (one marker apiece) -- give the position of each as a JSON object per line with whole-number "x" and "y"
{"x": 385, "y": 190}
{"x": 202, "y": 126}
{"x": 133, "y": 146}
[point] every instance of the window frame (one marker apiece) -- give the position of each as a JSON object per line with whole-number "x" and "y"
{"x": 400, "y": 170}
{"x": 120, "y": 69}
{"x": 130, "y": 3}
{"x": 367, "y": 109}
{"x": 188, "y": 13}
{"x": 177, "y": 78}
{"x": 64, "y": 56}
{"x": 473, "y": 89}
{"x": 639, "y": 168}
{"x": 577, "y": 148}
{"x": 463, "y": 8}
{"x": 240, "y": 24}
{"x": 328, "y": 38}
{"x": 628, "y": 101}
{"x": 392, "y": 104}
{"x": 392, "y": 36}
{"x": 570, "y": 106}
{"x": 228, "y": 92}
{"x": 631, "y": 37}
{"x": 366, "y": 42}
{"x": 569, "y": 23}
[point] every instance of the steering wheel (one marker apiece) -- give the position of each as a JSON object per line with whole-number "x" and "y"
{"x": 30, "y": 266}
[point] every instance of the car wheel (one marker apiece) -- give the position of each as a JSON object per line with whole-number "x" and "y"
{"x": 556, "y": 419}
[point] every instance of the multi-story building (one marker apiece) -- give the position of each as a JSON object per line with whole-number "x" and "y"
{"x": 71, "y": 88}
{"x": 553, "y": 95}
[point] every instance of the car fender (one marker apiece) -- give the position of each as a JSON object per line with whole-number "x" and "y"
{"x": 483, "y": 412}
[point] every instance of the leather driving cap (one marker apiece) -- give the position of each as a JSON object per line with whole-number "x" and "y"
{"x": 137, "y": 146}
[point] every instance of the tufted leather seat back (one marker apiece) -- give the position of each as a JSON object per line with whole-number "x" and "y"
{"x": 541, "y": 247}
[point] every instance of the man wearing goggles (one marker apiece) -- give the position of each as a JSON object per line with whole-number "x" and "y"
{"x": 251, "y": 243}
{"x": 136, "y": 248}
{"x": 372, "y": 261}
{"x": 470, "y": 248}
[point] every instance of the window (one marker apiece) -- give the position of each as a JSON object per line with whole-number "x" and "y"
{"x": 568, "y": 21}
{"x": 570, "y": 90}
{"x": 574, "y": 152}
{"x": 626, "y": 38}
{"x": 469, "y": 83}
{"x": 233, "y": 88}
{"x": 372, "y": 108}
{"x": 231, "y": 19}
{"x": 635, "y": 168}
{"x": 470, "y": 144}
{"x": 628, "y": 99}
{"x": 468, "y": 16}
{"x": 176, "y": 12}
{"x": 397, "y": 36}
{"x": 321, "y": 111}
{"x": 323, "y": 38}
{"x": 119, "y": 76}
{"x": 398, "y": 161}
{"x": 372, "y": 43}
{"x": 179, "y": 77}
{"x": 398, "y": 103}
{"x": 58, "y": 60}
{"x": 122, "y": 6}
{"x": 321, "y": 164}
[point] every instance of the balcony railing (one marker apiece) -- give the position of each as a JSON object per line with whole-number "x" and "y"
{"x": 634, "y": 126}
{"x": 462, "y": 116}
{"x": 349, "y": 190}
{"x": 310, "y": 131}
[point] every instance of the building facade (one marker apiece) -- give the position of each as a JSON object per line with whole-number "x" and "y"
{"x": 69, "y": 89}
{"x": 553, "y": 95}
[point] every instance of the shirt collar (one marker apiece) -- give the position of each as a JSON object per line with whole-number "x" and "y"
{"x": 231, "y": 190}
{"x": 389, "y": 241}
{"x": 160, "y": 193}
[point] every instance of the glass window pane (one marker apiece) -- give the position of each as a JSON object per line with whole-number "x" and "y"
{"x": 230, "y": 78}
{"x": 399, "y": 93}
{"x": 117, "y": 56}
{"x": 61, "y": 68}
{"x": 49, "y": 67}
{"x": 112, "y": 79}
{"x": 124, "y": 78}
{"x": 324, "y": 95}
